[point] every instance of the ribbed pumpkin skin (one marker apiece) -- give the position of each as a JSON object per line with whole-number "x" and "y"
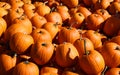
{"x": 7, "y": 62}
{"x": 42, "y": 51}
{"x": 111, "y": 54}
{"x": 26, "y": 68}
{"x": 3, "y": 25}
{"x": 93, "y": 63}
{"x": 20, "y": 42}
{"x": 69, "y": 34}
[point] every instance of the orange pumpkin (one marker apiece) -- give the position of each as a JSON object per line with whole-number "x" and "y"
{"x": 43, "y": 9}
{"x": 16, "y": 42}
{"x": 29, "y": 68}
{"x": 3, "y": 26}
{"x": 115, "y": 39}
{"x": 94, "y": 21}
{"x": 66, "y": 54}
{"x": 92, "y": 62}
{"x": 70, "y": 3}
{"x": 76, "y": 20}
{"x": 38, "y": 21}
{"x": 41, "y": 52}
{"x": 110, "y": 52}
{"x": 5, "y": 5}
{"x": 113, "y": 71}
{"x": 69, "y": 73}
{"x": 47, "y": 69}
{"x": 112, "y": 25}
{"x": 69, "y": 34}
{"x": 79, "y": 44}
{"x": 54, "y": 17}
{"x": 41, "y": 34}
{"x": 52, "y": 28}
{"x": 8, "y": 61}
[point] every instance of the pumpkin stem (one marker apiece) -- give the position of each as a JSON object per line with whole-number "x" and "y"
{"x": 86, "y": 52}
{"x": 4, "y": 5}
{"x": 117, "y": 48}
{"x": 43, "y": 44}
{"x": 26, "y": 62}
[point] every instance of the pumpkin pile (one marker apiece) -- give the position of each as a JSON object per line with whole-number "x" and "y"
{"x": 59, "y": 37}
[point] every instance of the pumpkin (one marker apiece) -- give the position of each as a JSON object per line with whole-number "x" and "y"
{"x": 104, "y": 13}
{"x": 63, "y": 10}
{"x": 24, "y": 21}
{"x": 114, "y": 7}
{"x": 79, "y": 44}
{"x": 113, "y": 71}
{"x": 70, "y": 3}
{"x": 94, "y": 36}
{"x": 85, "y": 11}
{"x": 5, "y": 5}
{"x": 90, "y": 2}
{"x": 43, "y": 9}
{"x": 102, "y": 4}
{"x": 110, "y": 53}
{"x": 115, "y": 39}
{"x": 112, "y": 26}
{"x": 66, "y": 54}
{"x": 14, "y": 28}
{"x": 4, "y": 12}
{"x": 54, "y": 17}
{"x": 94, "y": 21}
{"x": 3, "y": 26}
{"x": 29, "y": 10}
{"x": 48, "y": 69}
{"x": 30, "y": 68}
{"x": 41, "y": 52}
{"x": 76, "y": 20}
{"x": 38, "y": 21}
{"x": 69, "y": 73}
{"x": 48, "y": 73}
{"x": 52, "y": 28}
{"x": 68, "y": 34}
{"x": 41, "y": 34}
{"x": 16, "y": 42}
{"x": 92, "y": 62}
{"x": 8, "y": 61}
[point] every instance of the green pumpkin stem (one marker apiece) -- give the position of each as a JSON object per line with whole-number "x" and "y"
{"x": 26, "y": 62}
{"x": 86, "y": 51}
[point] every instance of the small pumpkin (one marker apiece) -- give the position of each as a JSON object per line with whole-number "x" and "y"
{"x": 68, "y": 34}
{"x": 110, "y": 52}
{"x": 92, "y": 62}
{"x": 79, "y": 44}
{"x": 43, "y": 9}
{"x": 41, "y": 52}
{"x": 52, "y": 28}
{"x": 54, "y": 17}
{"x": 94, "y": 21}
{"x": 5, "y": 5}
{"x": 70, "y": 3}
{"x": 115, "y": 39}
{"x": 38, "y": 21}
{"x": 48, "y": 69}
{"x": 8, "y": 61}
{"x": 41, "y": 34}
{"x": 76, "y": 20}
{"x": 30, "y": 68}
{"x": 113, "y": 71}
{"x": 3, "y": 26}
{"x": 112, "y": 25}
{"x": 16, "y": 42}
{"x": 66, "y": 54}
{"x": 63, "y": 10}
